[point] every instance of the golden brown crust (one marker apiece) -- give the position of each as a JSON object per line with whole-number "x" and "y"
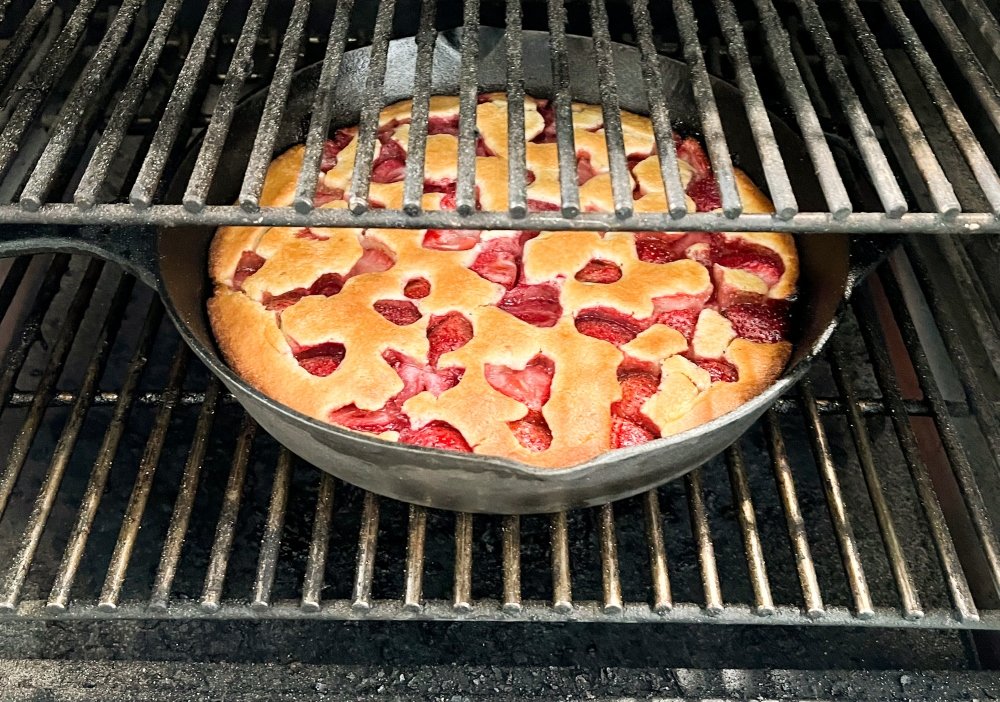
{"x": 261, "y": 343}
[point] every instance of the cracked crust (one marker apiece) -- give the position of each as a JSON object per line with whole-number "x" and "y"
{"x": 261, "y": 344}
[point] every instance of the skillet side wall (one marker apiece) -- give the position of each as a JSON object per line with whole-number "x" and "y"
{"x": 472, "y": 482}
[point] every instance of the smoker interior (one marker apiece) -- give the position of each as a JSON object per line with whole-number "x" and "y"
{"x": 155, "y": 544}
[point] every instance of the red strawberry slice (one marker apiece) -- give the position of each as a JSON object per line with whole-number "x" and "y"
{"x": 530, "y": 385}
{"x": 766, "y": 322}
{"x": 608, "y": 325}
{"x": 761, "y": 261}
{"x": 308, "y": 233}
{"x": 376, "y": 258}
{"x": 439, "y": 435}
{"x": 277, "y": 303}
{"x": 691, "y": 152}
{"x": 322, "y": 359}
{"x": 532, "y": 431}
{"x": 599, "y": 271}
{"x": 417, "y": 289}
{"x": 451, "y": 239}
{"x": 333, "y": 147}
{"x": 482, "y": 149}
{"x": 447, "y": 333}
{"x": 390, "y": 166}
{"x": 328, "y": 284}
{"x": 705, "y": 193}
{"x": 399, "y": 312}
{"x": 418, "y": 377}
{"x": 389, "y": 418}
{"x": 683, "y": 321}
{"x": 547, "y": 111}
{"x": 637, "y": 387}
{"x": 534, "y": 304}
{"x": 634, "y": 365}
{"x": 719, "y": 369}
{"x": 625, "y": 433}
{"x": 542, "y": 206}
{"x": 584, "y": 170}
{"x": 443, "y": 125}
{"x": 498, "y": 261}
{"x": 657, "y": 247}
{"x": 324, "y": 194}
{"x": 249, "y": 263}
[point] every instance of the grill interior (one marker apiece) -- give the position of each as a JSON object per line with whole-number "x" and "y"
{"x": 134, "y": 487}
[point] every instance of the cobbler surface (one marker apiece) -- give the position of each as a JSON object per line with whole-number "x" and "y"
{"x": 545, "y": 347}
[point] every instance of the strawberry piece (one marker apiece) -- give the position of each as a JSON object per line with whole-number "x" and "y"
{"x": 634, "y": 365}
{"x": 451, "y": 239}
{"x": 399, "y": 312}
{"x": 534, "y": 304}
{"x": 691, "y": 152}
{"x": 324, "y": 194}
{"x": 277, "y": 303}
{"x": 530, "y": 385}
{"x": 328, "y": 284}
{"x": 389, "y": 418}
{"x": 683, "y": 321}
{"x": 418, "y": 377}
{"x": 322, "y": 359}
{"x": 759, "y": 260}
{"x": 584, "y": 170}
{"x": 547, "y": 111}
{"x": 447, "y": 333}
{"x": 308, "y": 233}
{"x": 608, "y": 325}
{"x": 719, "y": 369}
{"x": 443, "y": 125}
{"x": 765, "y": 322}
{"x": 705, "y": 193}
{"x": 333, "y": 147}
{"x": 390, "y": 166}
{"x": 376, "y": 258}
{"x": 542, "y": 206}
{"x": 482, "y": 149}
{"x": 439, "y": 435}
{"x": 417, "y": 288}
{"x": 625, "y": 433}
{"x": 637, "y": 387}
{"x": 599, "y": 271}
{"x": 657, "y": 247}
{"x": 529, "y": 176}
{"x": 249, "y": 263}
{"x": 532, "y": 431}
{"x": 498, "y": 261}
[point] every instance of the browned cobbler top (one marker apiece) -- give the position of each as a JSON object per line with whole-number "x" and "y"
{"x": 548, "y": 348}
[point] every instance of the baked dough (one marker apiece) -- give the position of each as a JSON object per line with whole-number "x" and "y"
{"x": 547, "y": 348}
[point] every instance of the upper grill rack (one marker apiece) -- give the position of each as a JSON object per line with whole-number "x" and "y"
{"x": 869, "y": 51}
{"x": 159, "y": 498}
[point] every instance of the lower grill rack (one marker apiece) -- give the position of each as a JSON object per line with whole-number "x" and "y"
{"x": 134, "y": 487}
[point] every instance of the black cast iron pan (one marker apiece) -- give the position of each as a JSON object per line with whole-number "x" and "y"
{"x": 173, "y": 261}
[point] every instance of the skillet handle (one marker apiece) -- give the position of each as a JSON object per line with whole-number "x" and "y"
{"x": 133, "y": 248}
{"x": 867, "y": 252}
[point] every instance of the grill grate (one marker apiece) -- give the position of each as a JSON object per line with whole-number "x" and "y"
{"x": 100, "y": 96}
{"x": 160, "y": 499}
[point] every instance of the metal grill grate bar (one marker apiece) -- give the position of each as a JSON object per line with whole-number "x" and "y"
{"x": 516, "y": 188}
{"x": 416, "y": 540}
{"x": 711, "y": 122}
{"x": 660, "y": 576}
{"x": 465, "y": 186}
{"x": 511, "y": 539}
{"x": 73, "y": 553}
{"x": 267, "y": 563}
{"x": 703, "y": 540}
{"x": 835, "y": 502}
{"x": 126, "y": 108}
{"x": 812, "y": 599}
{"x": 312, "y": 584}
{"x": 757, "y": 568}
{"x": 148, "y": 180}
{"x": 562, "y": 108}
{"x": 562, "y": 587}
{"x": 368, "y": 123}
{"x": 225, "y": 106}
{"x": 416, "y": 148}
{"x": 361, "y": 599}
{"x": 883, "y": 515}
{"x": 319, "y": 121}
{"x": 143, "y": 485}
{"x": 462, "y": 593}
{"x": 610, "y": 578}
{"x": 277, "y": 96}
{"x": 60, "y": 350}
{"x": 958, "y": 587}
{"x": 184, "y": 503}
{"x": 18, "y": 570}
{"x": 22, "y": 39}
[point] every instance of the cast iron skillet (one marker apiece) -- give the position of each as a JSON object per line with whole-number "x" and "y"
{"x": 173, "y": 262}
